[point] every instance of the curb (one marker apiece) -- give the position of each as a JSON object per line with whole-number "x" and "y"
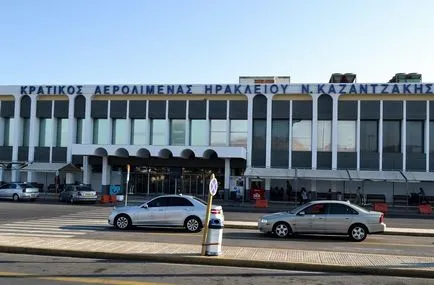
{"x": 221, "y": 261}
{"x": 390, "y": 233}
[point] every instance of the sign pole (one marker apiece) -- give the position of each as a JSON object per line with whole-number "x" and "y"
{"x": 126, "y": 186}
{"x": 212, "y": 191}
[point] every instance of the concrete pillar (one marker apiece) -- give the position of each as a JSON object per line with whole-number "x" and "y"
{"x": 187, "y": 124}
{"x": 129, "y": 130}
{"x": 17, "y": 138}
{"x": 106, "y": 174}
{"x": 168, "y": 131}
{"x": 380, "y": 137}
{"x": 110, "y": 125}
{"x": 427, "y": 150}
{"x": 335, "y": 133}
{"x": 70, "y": 178}
{"x": 290, "y": 137}
{"x": 268, "y": 131}
{"x": 33, "y": 135}
{"x": 88, "y": 124}
{"x": 227, "y": 178}
{"x": 314, "y": 136}
{"x": 87, "y": 170}
{"x": 358, "y": 136}
{"x": 249, "y": 130}
{"x": 404, "y": 135}
{"x": 267, "y": 188}
{"x": 207, "y": 125}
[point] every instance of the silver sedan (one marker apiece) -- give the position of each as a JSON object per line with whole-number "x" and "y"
{"x": 18, "y": 191}
{"x": 325, "y": 217}
{"x": 165, "y": 211}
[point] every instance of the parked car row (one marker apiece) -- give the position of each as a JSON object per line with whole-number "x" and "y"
{"x": 29, "y": 191}
{"x": 318, "y": 217}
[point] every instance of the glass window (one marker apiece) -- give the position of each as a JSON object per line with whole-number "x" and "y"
{"x": 301, "y": 135}
{"x": 415, "y": 136}
{"x": 26, "y": 132}
{"x": 340, "y": 209}
{"x": 62, "y": 133}
{"x": 159, "y": 132}
{"x": 317, "y": 209}
{"x": 101, "y": 131}
{"x": 431, "y": 136}
{"x": 219, "y": 133}
{"x": 177, "y": 132}
{"x": 279, "y": 143}
{"x": 79, "y": 138}
{"x": 324, "y": 136}
{"x": 180, "y": 202}
{"x": 238, "y": 135}
{"x": 9, "y": 133}
{"x": 46, "y": 132}
{"x": 392, "y": 136}
{"x": 347, "y": 136}
{"x": 138, "y": 134}
{"x": 120, "y": 131}
{"x": 159, "y": 202}
{"x": 368, "y": 136}
{"x": 198, "y": 132}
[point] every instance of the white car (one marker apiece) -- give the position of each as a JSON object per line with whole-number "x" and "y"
{"x": 325, "y": 217}
{"x": 18, "y": 191}
{"x": 166, "y": 211}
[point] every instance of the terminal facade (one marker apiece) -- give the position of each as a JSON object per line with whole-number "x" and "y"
{"x": 262, "y": 133}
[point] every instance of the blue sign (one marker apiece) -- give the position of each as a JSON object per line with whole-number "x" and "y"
{"x": 115, "y": 189}
{"x": 228, "y": 89}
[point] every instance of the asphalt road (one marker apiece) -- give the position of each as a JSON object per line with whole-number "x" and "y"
{"x": 38, "y": 270}
{"x": 98, "y": 229}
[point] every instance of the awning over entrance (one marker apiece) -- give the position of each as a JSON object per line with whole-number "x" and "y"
{"x": 389, "y": 176}
{"x": 51, "y": 167}
{"x": 273, "y": 173}
{"x": 319, "y": 174}
{"x": 419, "y": 176}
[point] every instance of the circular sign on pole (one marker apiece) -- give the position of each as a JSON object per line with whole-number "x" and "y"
{"x": 213, "y": 185}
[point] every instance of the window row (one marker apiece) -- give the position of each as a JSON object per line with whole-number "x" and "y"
{"x": 347, "y": 134}
{"x": 173, "y": 132}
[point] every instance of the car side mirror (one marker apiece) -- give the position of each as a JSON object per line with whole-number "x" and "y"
{"x": 145, "y": 206}
{"x": 302, "y": 213}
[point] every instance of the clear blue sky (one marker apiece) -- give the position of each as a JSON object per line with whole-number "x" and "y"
{"x": 150, "y": 42}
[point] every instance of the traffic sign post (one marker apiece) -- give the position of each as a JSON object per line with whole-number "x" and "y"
{"x": 213, "y": 187}
{"x": 126, "y": 186}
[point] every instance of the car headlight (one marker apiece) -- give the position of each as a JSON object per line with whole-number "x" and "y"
{"x": 263, "y": 221}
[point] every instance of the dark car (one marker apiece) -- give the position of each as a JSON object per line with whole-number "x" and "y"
{"x": 78, "y": 193}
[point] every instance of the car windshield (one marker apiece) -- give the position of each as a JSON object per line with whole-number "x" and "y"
{"x": 358, "y": 208}
{"x": 296, "y": 210}
{"x": 200, "y": 200}
{"x": 84, "y": 189}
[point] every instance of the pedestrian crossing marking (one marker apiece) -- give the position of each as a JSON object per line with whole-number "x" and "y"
{"x": 65, "y": 226}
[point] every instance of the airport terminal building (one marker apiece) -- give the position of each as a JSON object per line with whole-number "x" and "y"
{"x": 262, "y": 133}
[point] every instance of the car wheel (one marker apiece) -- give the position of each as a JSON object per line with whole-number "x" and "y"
{"x": 122, "y": 222}
{"x": 193, "y": 224}
{"x": 358, "y": 232}
{"x": 282, "y": 229}
{"x": 15, "y": 197}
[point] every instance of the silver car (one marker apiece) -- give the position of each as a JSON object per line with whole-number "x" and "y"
{"x": 165, "y": 211}
{"x": 18, "y": 191}
{"x": 78, "y": 193}
{"x": 325, "y": 217}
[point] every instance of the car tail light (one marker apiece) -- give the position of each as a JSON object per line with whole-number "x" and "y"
{"x": 215, "y": 211}
{"x": 381, "y": 219}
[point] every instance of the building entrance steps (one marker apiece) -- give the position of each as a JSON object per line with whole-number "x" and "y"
{"x": 289, "y": 259}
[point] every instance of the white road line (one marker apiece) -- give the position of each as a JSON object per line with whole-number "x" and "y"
{"x": 58, "y": 231}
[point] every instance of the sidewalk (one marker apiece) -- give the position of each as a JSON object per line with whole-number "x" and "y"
{"x": 288, "y": 259}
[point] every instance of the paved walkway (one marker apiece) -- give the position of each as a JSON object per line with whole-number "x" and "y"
{"x": 290, "y": 259}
